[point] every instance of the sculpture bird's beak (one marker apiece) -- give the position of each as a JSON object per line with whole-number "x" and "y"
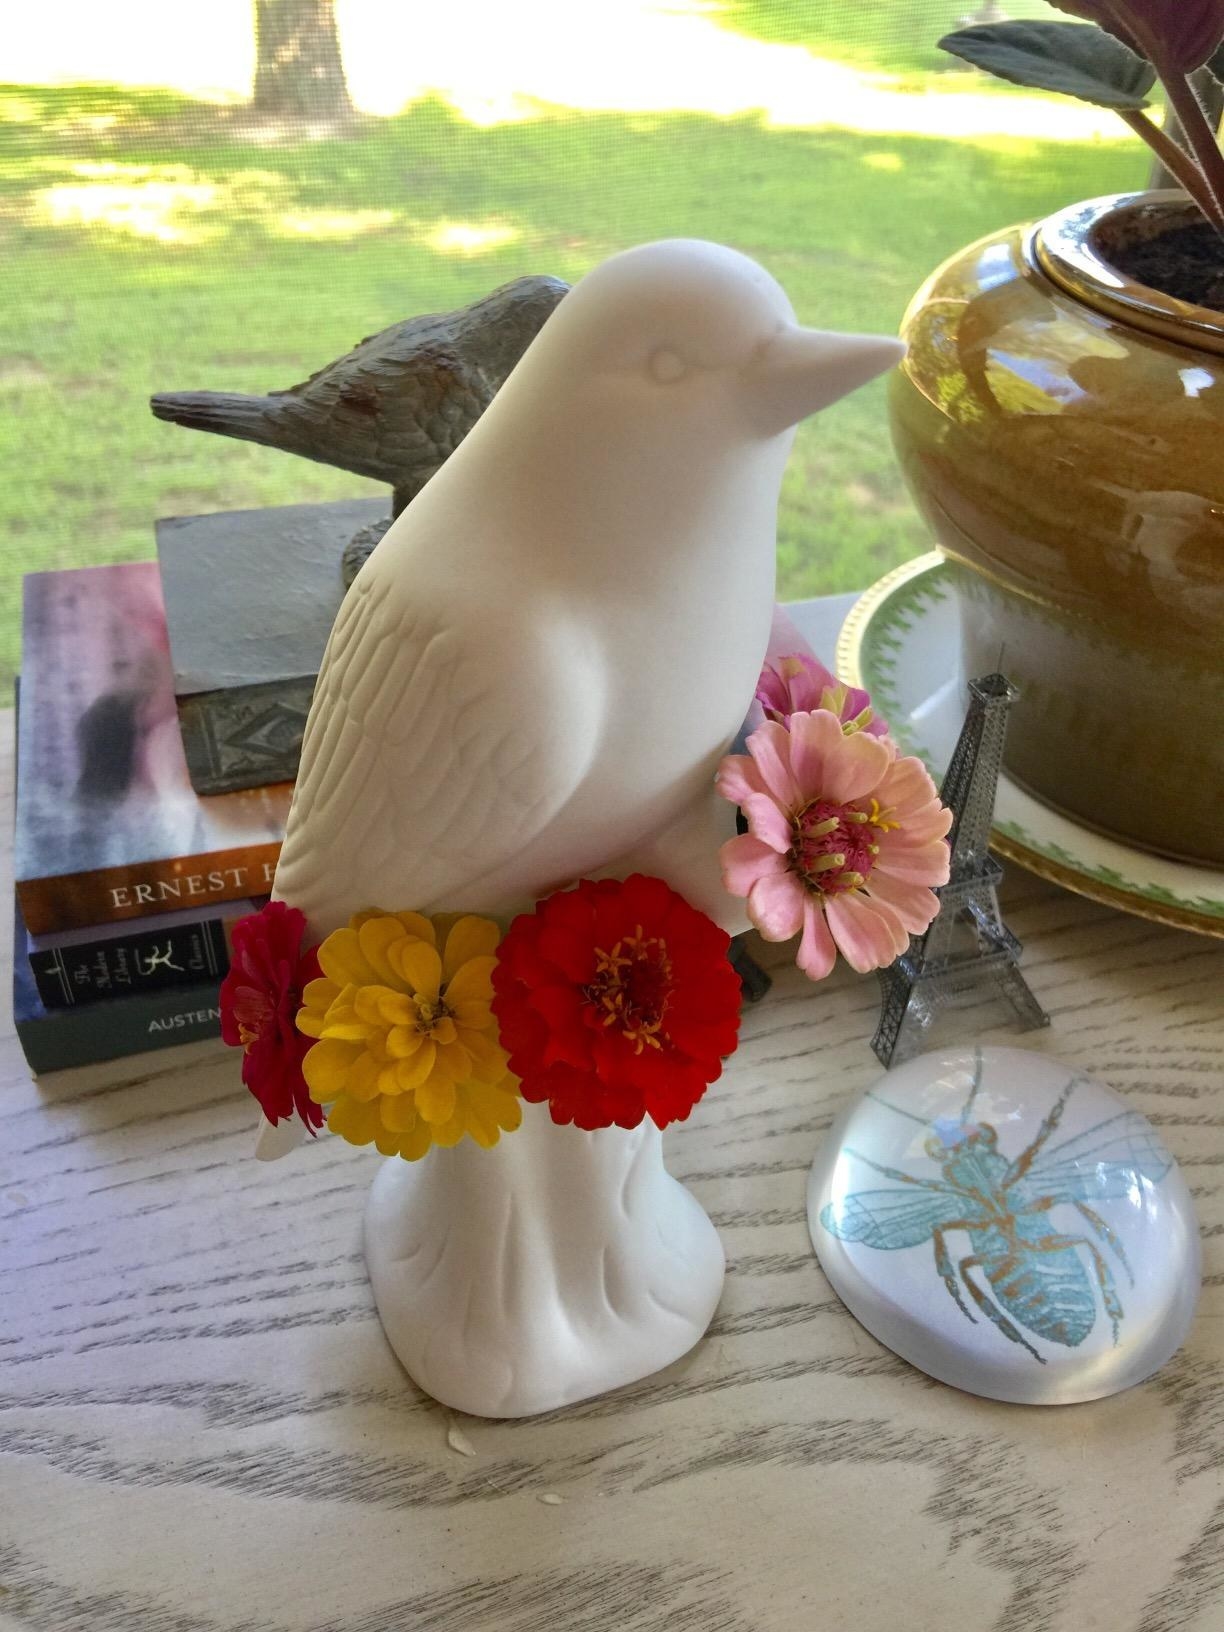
{"x": 801, "y": 371}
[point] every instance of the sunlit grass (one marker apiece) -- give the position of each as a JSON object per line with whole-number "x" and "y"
{"x": 165, "y": 208}
{"x": 795, "y": 63}
{"x": 470, "y": 238}
{"x": 152, "y": 240}
{"x": 338, "y": 225}
{"x": 896, "y": 36}
{"x": 308, "y": 245}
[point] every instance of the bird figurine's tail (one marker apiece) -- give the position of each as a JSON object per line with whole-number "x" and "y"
{"x": 227, "y": 413}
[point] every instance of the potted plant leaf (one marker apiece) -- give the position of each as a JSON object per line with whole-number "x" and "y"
{"x": 1060, "y": 421}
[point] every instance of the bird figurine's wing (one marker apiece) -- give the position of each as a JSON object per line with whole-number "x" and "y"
{"x": 398, "y": 404}
{"x": 394, "y": 408}
{"x": 439, "y": 744}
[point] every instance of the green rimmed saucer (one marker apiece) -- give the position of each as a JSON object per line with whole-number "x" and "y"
{"x": 902, "y": 641}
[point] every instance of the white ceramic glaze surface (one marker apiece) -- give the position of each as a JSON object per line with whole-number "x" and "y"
{"x": 1008, "y": 1225}
{"x": 537, "y": 671}
{"x": 506, "y": 1298}
{"x": 532, "y": 680}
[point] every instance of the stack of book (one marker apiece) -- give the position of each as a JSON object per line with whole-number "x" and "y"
{"x": 128, "y": 880}
{"x": 159, "y": 723}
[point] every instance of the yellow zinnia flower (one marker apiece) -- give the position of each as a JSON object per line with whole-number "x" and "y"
{"x": 406, "y": 1051}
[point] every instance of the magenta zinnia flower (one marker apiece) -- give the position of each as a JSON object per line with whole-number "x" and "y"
{"x": 260, "y": 996}
{"x": 844, "y": 841}
{"x": 800, "y": 683}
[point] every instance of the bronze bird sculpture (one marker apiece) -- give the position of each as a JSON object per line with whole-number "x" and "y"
{"x": 396, "y": 406}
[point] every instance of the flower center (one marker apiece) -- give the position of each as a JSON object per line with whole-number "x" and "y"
{"x": 254, "y": 1013}
{"x": 631, "y": 987}
{"x": 429, "y": 1014}
{"x": 833, "y": 847}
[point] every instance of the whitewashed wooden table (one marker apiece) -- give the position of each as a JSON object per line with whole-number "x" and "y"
{"x": 202, "y": 1429}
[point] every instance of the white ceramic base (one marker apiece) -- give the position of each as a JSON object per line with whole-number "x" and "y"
{"x": 557, "y": 1266}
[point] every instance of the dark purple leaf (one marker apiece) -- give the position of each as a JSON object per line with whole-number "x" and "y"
{"x": 1070, "y": 58}
{"x": 1172, "y": 34}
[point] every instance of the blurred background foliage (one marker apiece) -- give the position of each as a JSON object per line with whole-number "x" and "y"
{"x": 162, "y": 230}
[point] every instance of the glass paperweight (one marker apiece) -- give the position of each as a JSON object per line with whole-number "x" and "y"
{"x": 1008, "y": 1225}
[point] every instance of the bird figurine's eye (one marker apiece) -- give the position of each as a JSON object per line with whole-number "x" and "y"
{"x": 666, "y": 366}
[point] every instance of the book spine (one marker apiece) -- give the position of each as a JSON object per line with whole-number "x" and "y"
{"x": 246, "y": 737}
{"x": 145, "y": 960}
{"x": 66, "y": 1038}
{"x": 114, "y": 894}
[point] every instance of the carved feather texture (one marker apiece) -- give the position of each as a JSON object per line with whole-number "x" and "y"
{"x": 399, "y": 403}
{"x": 425, "y": 765}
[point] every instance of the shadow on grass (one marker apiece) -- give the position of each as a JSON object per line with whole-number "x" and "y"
{"x": 82, "y": 162}
{"x": 154, "y": 242}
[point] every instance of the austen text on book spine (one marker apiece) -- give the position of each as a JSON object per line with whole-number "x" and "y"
{"x": 59, "y": 1039}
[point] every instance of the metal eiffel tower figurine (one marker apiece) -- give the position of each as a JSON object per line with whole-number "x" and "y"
{"x": 968, "y": 947}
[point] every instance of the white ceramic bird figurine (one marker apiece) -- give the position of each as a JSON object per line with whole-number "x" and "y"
{"x": 532, "y": 680}
{"x": 536, "y": 673}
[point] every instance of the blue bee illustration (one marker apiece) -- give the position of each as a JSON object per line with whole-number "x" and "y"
{"x": 1038, "y": 1274}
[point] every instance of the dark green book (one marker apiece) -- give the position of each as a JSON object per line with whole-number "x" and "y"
{"x": 54, "y": 1040}
{"x": 141, "y": 955}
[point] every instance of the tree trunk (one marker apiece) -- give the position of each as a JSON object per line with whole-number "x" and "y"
{"x": 299, "y": 73}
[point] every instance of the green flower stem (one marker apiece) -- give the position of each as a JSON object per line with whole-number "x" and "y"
{"x": 1183, "y": 99}
{"x": 1178, "y": 163}
{"x": 1199, "y": 134}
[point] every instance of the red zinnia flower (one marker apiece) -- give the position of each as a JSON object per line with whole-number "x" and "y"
{"x": 259, "y": 999}
{"x": 616, "y": 1001}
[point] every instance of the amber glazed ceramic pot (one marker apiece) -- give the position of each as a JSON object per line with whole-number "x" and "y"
{"x": 1062, "y": 431}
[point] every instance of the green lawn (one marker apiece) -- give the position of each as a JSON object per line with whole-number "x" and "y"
{"x": 148, "y": 243}
{"x": 890, "y": 36}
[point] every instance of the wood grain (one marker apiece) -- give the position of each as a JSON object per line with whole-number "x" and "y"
{"x": 203, "y": 1430}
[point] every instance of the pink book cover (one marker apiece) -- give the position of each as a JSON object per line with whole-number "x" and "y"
{"x": 108, "y": 824}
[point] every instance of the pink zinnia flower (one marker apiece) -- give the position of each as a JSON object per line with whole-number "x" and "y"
{"x": 844, "y": 841}
{"x": 799, "y": 684}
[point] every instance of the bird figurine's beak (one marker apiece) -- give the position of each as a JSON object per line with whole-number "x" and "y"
{"x": 801, "y": 371}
